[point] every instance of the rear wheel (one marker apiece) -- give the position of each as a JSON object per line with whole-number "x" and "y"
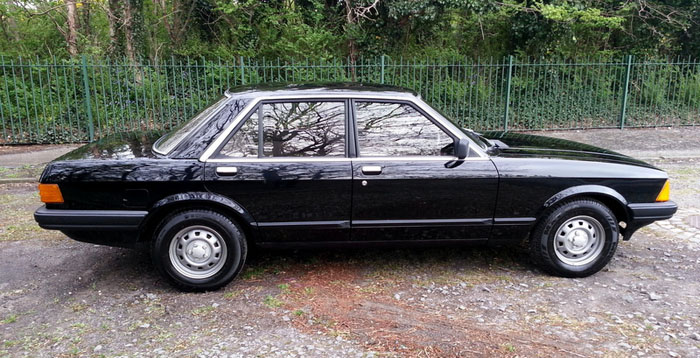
{"x": 199, "y": 250}
{"x": 575, "y": 239}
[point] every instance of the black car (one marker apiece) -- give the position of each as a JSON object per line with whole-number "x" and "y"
{"x": 344, "y": 164}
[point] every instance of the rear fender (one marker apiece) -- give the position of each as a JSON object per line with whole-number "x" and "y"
{"x": 226, "y": 206}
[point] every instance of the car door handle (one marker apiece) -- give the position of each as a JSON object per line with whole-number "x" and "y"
{"x": 371, "y": 169}
{"x": 226, "y": 171}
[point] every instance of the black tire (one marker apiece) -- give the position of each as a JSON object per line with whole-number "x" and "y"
{"x": 589, "y": 217}
{"x": 222, "y": 246}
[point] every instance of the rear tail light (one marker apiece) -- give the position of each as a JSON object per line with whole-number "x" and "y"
{"x": 50, "y": 194}
{"x": 665, "y": 192}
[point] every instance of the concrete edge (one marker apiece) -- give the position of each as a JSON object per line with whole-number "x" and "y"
{"x": 18, "y": 180}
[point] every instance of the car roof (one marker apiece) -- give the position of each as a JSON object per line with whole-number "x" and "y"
{"x": 320, "y": 88}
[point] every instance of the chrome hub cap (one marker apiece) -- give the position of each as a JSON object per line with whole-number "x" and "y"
{"x": 579, "y": 240}
{"x": 197, "y": 252}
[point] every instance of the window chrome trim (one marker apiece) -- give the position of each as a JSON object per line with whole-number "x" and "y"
{"x": 449, "y": 126}
{"x": 428, "y": 158}
{"x": 342, "y": 159}
{"x": 279, "y": 160}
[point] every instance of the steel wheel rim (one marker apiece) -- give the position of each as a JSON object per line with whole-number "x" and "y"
{"x": 197, "y": 252}
{"x": 579, "y": 240}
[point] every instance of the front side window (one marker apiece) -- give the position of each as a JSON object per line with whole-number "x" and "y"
{"x": 397, "y": 129}
{"x": 290, "y": 129}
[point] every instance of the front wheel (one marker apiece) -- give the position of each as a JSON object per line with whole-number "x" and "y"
{"x": 199, "y": 250}
{"x": 575, "y": 239}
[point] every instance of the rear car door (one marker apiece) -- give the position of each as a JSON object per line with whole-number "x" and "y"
{"x": 407, "y": 183}
{"x": 286, "y": 164}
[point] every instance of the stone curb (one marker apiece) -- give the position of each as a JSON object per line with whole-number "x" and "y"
{"x": 18, "y": 180}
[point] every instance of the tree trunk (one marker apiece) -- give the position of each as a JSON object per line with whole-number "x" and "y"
{"x": 170, "y": 28}
{"x": 352, "y": 46}
{"x": 113, "y": 17}
{"x": 72, "y": 34}
{"x": 85, "y": 25}
{"x": 128, "y": 22}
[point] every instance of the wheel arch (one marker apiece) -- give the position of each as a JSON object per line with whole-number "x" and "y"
{"x": 197, "y": 200}
{"x": 606, "y": 195}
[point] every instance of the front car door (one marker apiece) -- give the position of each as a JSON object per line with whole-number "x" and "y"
{"x": 286, "y": 164}
{"x": 407, "y": 182}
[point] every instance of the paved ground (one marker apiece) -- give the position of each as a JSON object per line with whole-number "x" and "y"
{"x": 652, "y": 143}
{"x": 17, "y": 156}
{"x": 60, "y": 298}
{"x": 24, "y": 163}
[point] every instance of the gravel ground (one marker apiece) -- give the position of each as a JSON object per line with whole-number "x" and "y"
{"x": 60, "y": 298}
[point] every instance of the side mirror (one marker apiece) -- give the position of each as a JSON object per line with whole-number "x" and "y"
{"x": 462, "y": 148}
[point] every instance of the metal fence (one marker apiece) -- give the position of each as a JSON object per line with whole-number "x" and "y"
{"x": 61, "y": 101}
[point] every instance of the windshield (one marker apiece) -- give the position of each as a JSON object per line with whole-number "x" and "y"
{"x": 169, "y": 141}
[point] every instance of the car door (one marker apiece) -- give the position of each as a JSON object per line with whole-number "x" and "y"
{"x": 407, "y": 183}
{"x": 286, "y": 164}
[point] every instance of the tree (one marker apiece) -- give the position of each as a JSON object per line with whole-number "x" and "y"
{"x": 72, "y": 32}
{"x": 357, "y": 12}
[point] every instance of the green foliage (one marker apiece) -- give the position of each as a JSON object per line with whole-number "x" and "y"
{"x": 320, "y": 28}
{"x": 188, "y": 51}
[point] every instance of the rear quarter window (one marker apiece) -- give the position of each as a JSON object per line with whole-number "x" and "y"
{"x": 169, "y": 141}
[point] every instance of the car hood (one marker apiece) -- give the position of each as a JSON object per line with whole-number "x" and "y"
{"x": 117, "y": 146}
{"x": 526, "y": 145}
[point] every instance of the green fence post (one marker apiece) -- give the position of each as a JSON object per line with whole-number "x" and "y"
{"x": 382, "y": 69}
{"x": 88, "y": 107}
{"x": 623, "y": 110}
{"x": 507, "y": 105}
{"x": 240, "y": 59}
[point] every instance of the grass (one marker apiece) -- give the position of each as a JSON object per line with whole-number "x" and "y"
{"x": 9, "y": 319}
{"x": 253, "y": 272}
{"x": 17, "y": 220}
{"x": 272, "y": 302}
{"x": 508, "y": 347}
{"x": 9, "y": 344}
{"x": 232, "y": 294}
{"x": 202, "y": 311}
{"x": 25, "y": 171}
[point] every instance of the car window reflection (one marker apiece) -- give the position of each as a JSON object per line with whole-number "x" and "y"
{"x": 291, "y": 129}
{"x": 398, "y": 129}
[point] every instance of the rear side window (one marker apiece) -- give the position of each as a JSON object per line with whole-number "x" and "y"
{"x": 290, "y": 129}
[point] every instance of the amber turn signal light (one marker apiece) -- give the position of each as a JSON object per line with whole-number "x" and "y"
{"x": 665, "y": 193}
{"x": 50, "y": 194}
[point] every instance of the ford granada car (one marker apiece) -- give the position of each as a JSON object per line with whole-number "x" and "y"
{"x": 326, "y": 164}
